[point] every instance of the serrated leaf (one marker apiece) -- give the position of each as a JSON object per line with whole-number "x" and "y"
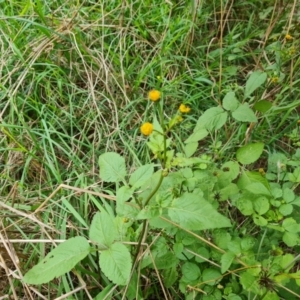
{"x": 262, "y": 106}
{"x": 288, "y": 195}
{"x": 124, "y": 193}
{"x": 250, "y": 153}
{"x": 116, "y": 264}
{"x": 286, "y": 209}
{"x": 112, "y": 167}
{"x": 259, "y": 220}
{"x": 245, "y": 206}
{"x": 230, "y": 101}
{"x": 210, "y": 276}
{"x": 197, "y": 135}
{"x": 291, "y": 239}
{"x": 212, "y": 119}
{"x": 231, "y": 169}
{"x": 190, "y": 149}
{"x": 226, "y": 261}
{"x": 290, "y": 225}
{"x": 244, "y": 114}
{"x": 190, "y": 271}
{"x": 261, "y": 205}
{"x": 141, "y": 175}
{"x": 59, "y": 261}
{"x": 193, "y": 212}
{"x": 103, "y": 229}
{"x": 255, "y": 80}
{"x": 258, "y": 188}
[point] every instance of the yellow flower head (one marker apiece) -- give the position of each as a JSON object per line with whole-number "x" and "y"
{"x": 154, "y": 95}
{"x": 275, "y": 79}
{"x": 146, "y": 128}
{"x": 184, "y": 109}
{"x": 288, "y": 37}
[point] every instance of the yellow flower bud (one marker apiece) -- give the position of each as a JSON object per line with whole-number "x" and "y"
{"x": 184, "y": 109}
{"x": 146, "y": 128}
{"x": 154, "y": 95}
{"x": 288, "y": 37}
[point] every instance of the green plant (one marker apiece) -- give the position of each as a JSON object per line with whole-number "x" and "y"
{"x": 161, "y": 209}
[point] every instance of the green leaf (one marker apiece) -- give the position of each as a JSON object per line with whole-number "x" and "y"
{"x": 190, "y": 271}
{"x": 245, "y": 206}
{"x": 124, "y": 193}
{"x": 230, "y": 101}
{"x": 190, "y": 148}
{"x": 166, "y": 261}
{"x": 255, "y": 80}
{"x": 259, "y": 220}
{"x": 288, "y": 195}
{"x": 261, "y": 205}
{"x": 262, "y": 106}
{"x": 193, "y": 212}
{"x": 291, "y": 239}
{"x": 210, "y": 276}
{"x": 231, "y": 169}
{"x": 226, "y": 261}
{"x": 212, "y": 119}
{"x": 105, "y": 292}
{"x": 59, "y": 261}
{"x": 234, "y": 246}
{"x": 290, "y": 225}
{"x": 141, "y": 175}
{"x": 250, "y": 153}
{"x": 103, "y": 230}
{"x": 197, "y": 135}
{"x": 244, "y": 114}
{"x": 257, "y": 188}
{"x": 112, "y": 167}
{"x": 115, "y": 263}
{"x": 286, "y": 209}
{"x": 170, "y": 276}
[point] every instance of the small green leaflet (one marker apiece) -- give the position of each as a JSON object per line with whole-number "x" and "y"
{"x": 115, "y": 263}
{"x": 59, "y": 261}
{"x": 112, "y": 167}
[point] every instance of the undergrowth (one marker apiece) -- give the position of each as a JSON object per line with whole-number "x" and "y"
{"x": 202, "y": 202}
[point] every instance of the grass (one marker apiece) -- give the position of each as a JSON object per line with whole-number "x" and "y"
{"x": 74, "y": 79}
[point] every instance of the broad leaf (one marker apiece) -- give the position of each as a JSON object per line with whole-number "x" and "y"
{"x": 250, "y": 153}
{"x": 226, "y": 261}
{"x": 141, "y": 175}
{"x": 115, "y": 263}
{"x": 262, "y": 106}
{"x": 197, "y": 135}
{"x": 190, "y": 271}
{"x": 190, "y": 149}
{"x": 193, "y": 212}
{"x": 255, "y": 80}
{"x": 112, "y": 167}
{"x": 103, "y": 230}
{"x": 59, "y": 261}
{"x": 212, "y": 119}
{"x": 230, "y": 101}
{"x": 261, "y": 205}
{"x": 244, "y": 114}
